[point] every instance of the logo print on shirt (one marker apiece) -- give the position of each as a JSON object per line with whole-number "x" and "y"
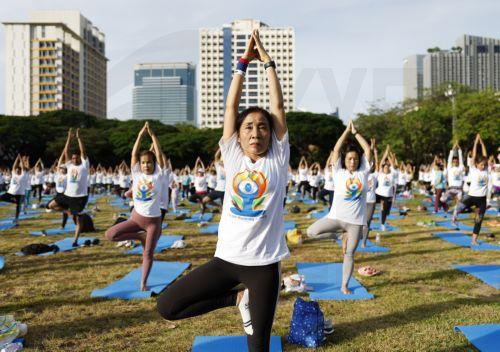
{"x": 248, "y": 193}
{"x": 74, "y": 176}
{"x": 456, "y": 175}
{"x": 144, "y": 191}
{"x": 481, "y": 181}
{"x": 354, "y": 188}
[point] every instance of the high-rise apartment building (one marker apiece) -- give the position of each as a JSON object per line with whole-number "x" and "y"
{"x": 165, "y": 92}
{"x": 413, "y": 77}
{"x": 55, "y": 60}
{"x": 473, "y": 61}
{"x": 220, "y": 50}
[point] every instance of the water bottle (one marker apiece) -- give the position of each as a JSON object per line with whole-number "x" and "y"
{"x": 377, "y": 238}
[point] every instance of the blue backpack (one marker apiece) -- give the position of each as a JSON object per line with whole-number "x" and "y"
{"x": 307, "y": 325}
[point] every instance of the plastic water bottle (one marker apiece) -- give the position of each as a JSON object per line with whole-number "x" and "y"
{"x": 377, "y": 238}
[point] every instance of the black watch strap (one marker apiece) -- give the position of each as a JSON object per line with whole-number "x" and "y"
{"x": 269, "y": 64}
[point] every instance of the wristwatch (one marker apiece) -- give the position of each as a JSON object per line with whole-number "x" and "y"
{"x": 269, "y": 64}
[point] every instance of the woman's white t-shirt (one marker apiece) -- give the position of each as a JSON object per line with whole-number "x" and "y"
{"x": 211, "y": 181}
{"x": 147, "y": 191}
{"x": 221, "y": 178}
{"x": 18, "y": 183}
{"x": 303, "y": 174}
{"x": 251, "y": 229}
{"x": 60, "y": 181}
{"x": 77, "y": 179}
{"x": 478, "y": 182}
{"x": 385, "y": 183}
{"x": 313, "y": 180}
{"x": 200, "y": 184}
{"x": 329, "y": 179}
{"x": 371, "y": 197}
{"x": 455, "y": 175}
{"x": 349, "y": 199}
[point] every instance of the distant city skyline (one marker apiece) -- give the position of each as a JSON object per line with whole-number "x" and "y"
{"x": 349, "y": 53}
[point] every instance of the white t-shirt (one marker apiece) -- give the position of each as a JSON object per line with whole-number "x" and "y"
{"x": 38, "y": 178}
{"x": 221, "y": 178}
{"x": 92, "y": 178}
{"x": 18, "y": 183}
{"x": 303, "y": 174}
{"x": 77, "y": 179}
{"x": 200, "y": 184}
{"x": 401, "y": 178}
{"x": 478, "y": 182}
{"x": 147, "y": 191}
{"x": 251, "y": 228}
{"x": 385, "y": 183}
{"x": 166, "y": 179}
{"x": 211, "y": 181}
{"x": 455, "y": 175}
{"x": 349, "y": 199}
{"x": 313, "y": 180}
{"x": 98, "y": 178}
{"x": 329, "y": 179}
{"x": 495, "y": 177}
{"x": 371, "y": 197}
{"x": 123, "y": 180}
{"x": 60, "y": 180}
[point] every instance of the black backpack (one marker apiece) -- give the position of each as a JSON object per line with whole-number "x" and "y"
{"x": 87, "y": 223}
{"x": 39, "y": 248}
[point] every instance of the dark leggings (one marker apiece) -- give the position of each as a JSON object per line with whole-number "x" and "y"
{"x": 303, "y": 187}
{"x": 314, "y": 192}
{"x": 437, "y": 200}
{"x": 13, "y": 198}
{"x": 212, "y": 286}
{"x": 37, "y": 192}
{"x": 385, "y": 207}
{"x": 469, "y": 201}
{"x": 323, "y": 193}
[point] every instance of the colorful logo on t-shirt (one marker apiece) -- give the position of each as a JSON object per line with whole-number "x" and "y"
{"x": 73, "y": 177}
{"x": 248, "y": 193}
{"x": 353, "y": 188}
{"x": 144, "y": 191}
{"x": 482, "y": 180}
{"x": 387, "y": 181}
{"x": 457, "y": 174}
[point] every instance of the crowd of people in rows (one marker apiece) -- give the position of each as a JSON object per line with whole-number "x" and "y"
{"x": 248, "y": 181}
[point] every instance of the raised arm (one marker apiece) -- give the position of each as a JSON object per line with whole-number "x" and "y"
{"x": 483, "y": 147}
{"x": 275, "y": 93}
{"x": 83, "y": 154}
{"x": 135, "y": 151}
{"x": 474, "y": 149}
{"x": 384, "y": 156}
{"x": 340, "y": 143}
{"x": 217, "y": 155}
{"x": 235, "y": 89}
{"x": 363, "y": 143}
{"x": 156, "y": 146}
{"x": 375, "y": 152}
{"x": 16, "y": 163}
{"x": 66, "y": 146}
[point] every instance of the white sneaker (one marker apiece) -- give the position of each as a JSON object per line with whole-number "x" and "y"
{"x": 245, "y": 313}
{"x": 382, "y": 227}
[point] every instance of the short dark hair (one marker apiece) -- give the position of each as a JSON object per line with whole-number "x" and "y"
{"x": 350, "y": 148}
{"x": 242, "y": 115}
{"x": 481, "y": 159}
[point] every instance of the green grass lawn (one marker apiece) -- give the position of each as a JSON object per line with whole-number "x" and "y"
{"x": 419, "y": 297}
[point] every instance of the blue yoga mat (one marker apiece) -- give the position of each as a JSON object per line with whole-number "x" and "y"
{"x": 164, "y": 242}
{"x": 198, "y": 217}
{"x": 447, "y": 224}
{"x": 21, "y": 217}
{"x": 7, "y": 226}
{"x": 52, "y": 232}
{"x": 462, "y": 240}
{"x": 179, "y": 211}
{"x": 484, "y": 337}
{"x": 319, "y": 214}
{"x": 210, "y": 229}
{"x": 128, "y": 287}
{"x": 2, "y": 262}
{"x": 290, "y": 225}
{"x": 492, "y": 212}
{"x": 229, "y": 344}
{"x": 389, "y": 217}
{"x": 370, "y": 247}
{"x": 66, "y": 245}
{"x": 388, "y": 228}
{"x": 489, "y": 274}
{"x": 326, "y": 279}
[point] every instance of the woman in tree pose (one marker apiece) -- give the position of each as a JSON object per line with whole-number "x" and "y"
{"x": 145, "y": 221}
{"x": 18, "y": 181}
{"x": 250, "y": 244}
{"x": 479, "y": 177}
{"x": 348, "y": 211}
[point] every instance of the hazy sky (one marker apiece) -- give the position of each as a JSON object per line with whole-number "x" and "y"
{"x": 349, "y": 53}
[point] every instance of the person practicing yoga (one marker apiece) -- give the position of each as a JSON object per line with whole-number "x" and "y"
{"x": 144, "y": 224}
{"x": 328, "y": 188}
{"x": 302, "y": 172}
{"x": 18, "y": 180}
{"x": 75, "y": 195}
{"x": 250, "y": 245}
{"x": 386, "y": 184}
{"x": 348, "y": 211}
{"x": 220, "y": 186}
{"x": 371, "y": 198}
{"x": 479, "y": 176}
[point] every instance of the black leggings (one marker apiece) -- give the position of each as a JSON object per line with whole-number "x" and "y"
{"x": 37, "y": 192}
{"x": 323, "y": 193}
{"x": 385, "y": 207}
{"x": 469, "y": 201}
{"x": 17, "y": 199}
{"x": 212, "y": 286}
{"x": 303, "y": 187}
